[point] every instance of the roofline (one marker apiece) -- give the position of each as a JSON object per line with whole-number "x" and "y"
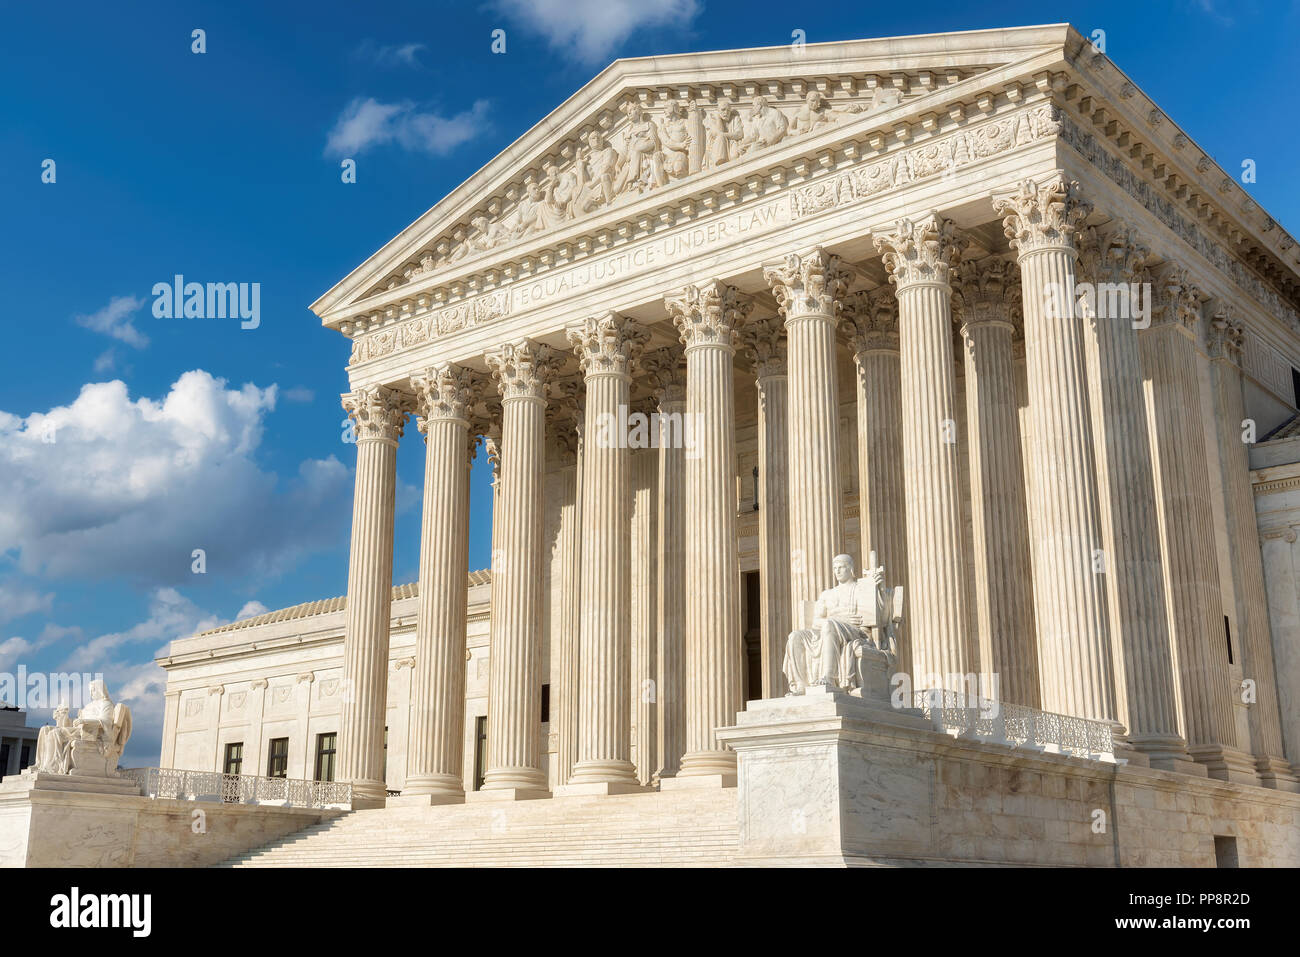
{"x": 609, "y": 80}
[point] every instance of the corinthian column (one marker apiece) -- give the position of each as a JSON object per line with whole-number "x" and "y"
{"x": 514, "y": 763}
{"x": 989, "y": 291}
{"x": 706, "y": 316}
{"x": 379, "y": 416}
{"x": 667, "y": 373}
{"x": 808, "y": 290}
{"x": 918, "y": 256}
{"x": 1225, "y": 341}
{"x": 435, "y": 745}
{"x": 871, "y": 325}
{"x": 645, "y": 599}
{"x": 1074, "y": 652}
{"x": 1188, "y": 547}
{"x": 567, "y": 621}
{"x": 606, "y": 345}
{"x": 764, "y": 343}
{"x": 1130, "y": 530}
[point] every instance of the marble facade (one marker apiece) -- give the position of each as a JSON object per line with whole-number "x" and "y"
{"x": 881, "y": 294}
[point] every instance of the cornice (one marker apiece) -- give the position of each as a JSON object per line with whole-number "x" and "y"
{"x": 856, "y": 171}
{"x": 797, "y": 159}
{"x": 1102, "y": 102}
{"x": 825, "y": 66}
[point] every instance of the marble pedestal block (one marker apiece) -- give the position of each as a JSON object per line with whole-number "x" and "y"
{"x": 834, "y": 780}
{"x": 58, "y": 820}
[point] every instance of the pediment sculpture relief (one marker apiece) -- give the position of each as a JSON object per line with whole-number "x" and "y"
{"x": 646, "y": 153}
{"x": 89, "y": 745}
{"x": 851, "y": 642}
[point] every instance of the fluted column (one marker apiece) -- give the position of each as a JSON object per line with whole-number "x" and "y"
{"x": 645, "y": 599}
{"x": 606, "y": 345}
{"x": 1225, "y": 345}
{"x": 870, "y": 321}
{"x": 1130, "y": 530}
{"x": 566, "y": 635}
{"x": 379, "y": 416}
{"x": 435, "y": 742}
{"x": 765, "y": 346}
{"x": 667, "y": 373}
{"x": 514, "y": 760}
{"x": 1076, "y": 672}
{"x": 706, "y": 316}
{"x": 808, "y": 290}
{"x": 918, "y": 256}
{"x": 1277, "y": 547}
{"x": 1186, "y": 516}
{"x": 988, "y": 293}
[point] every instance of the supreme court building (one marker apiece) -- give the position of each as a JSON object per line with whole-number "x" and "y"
{"x": 969, "y": 301}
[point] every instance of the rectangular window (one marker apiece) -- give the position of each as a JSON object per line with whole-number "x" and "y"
{"x": 27, "y": 757}
{"x": 326, "y": 746}
{"x": 546, "y": 703}
{"x": 234, "y": 757}
{"x": 277, "y": 762}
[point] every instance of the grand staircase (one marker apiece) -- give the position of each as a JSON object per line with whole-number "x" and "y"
{"x": 686, "y": 828}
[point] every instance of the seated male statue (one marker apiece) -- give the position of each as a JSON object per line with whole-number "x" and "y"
{"x": 815, "y": 655}
{"x": 853, "y": 620}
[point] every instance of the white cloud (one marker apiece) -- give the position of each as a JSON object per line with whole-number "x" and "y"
{"x": 392, "y": 55}
{"x": 251, "y": 609}
{"x": 115, "y": 320}
{"x": 365, "y": 122}
{"x": 110, "y": 487}
{"x": 18, "y": 600}
{"x": 593, "y": 29}
{"x": 299, "y": 394}
{"x": 105, "y": 361}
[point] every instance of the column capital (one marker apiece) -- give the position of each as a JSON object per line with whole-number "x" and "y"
{"x": 521, "y": 369}
{"x": 987, "y": 292}
{"x": 1177, "y": 300}
{"x": 1115, "y": 254}
{"x": 445, "y": 391}
{"x": 808, "y": 285}
{"x": 666, "y": 372}
{"x": 378, "y": 413}
{"x": 607, "y": 344}
{"x": 1038, "y": 217}
{"x": 765, "y": 345}
{"x": 1225, "y": 334}
{"x": 707, "y": 313}
{"x": 920, "y": 252}
{"x": 870, "y": 321}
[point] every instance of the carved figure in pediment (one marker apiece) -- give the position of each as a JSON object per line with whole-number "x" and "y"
{"x": 601, "y": 164}
{"x": 816, "y": 112}
{"x": 643, "y": 161}
{"x": 675, "y": 138}
{"x": 483, "y": 235}
{"x": 885, "y": 97}
{"x": 724, "y": 129}
{"x": 764, "y": 126}
{"x": 537, "y": 210}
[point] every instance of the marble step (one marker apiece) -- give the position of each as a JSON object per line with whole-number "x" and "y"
{"x": 672, "y": 829}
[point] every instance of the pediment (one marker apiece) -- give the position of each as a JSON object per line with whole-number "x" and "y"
{"x": 655, "y": 125}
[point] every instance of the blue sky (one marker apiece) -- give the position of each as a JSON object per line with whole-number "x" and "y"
{"x": 176, "y": 434}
